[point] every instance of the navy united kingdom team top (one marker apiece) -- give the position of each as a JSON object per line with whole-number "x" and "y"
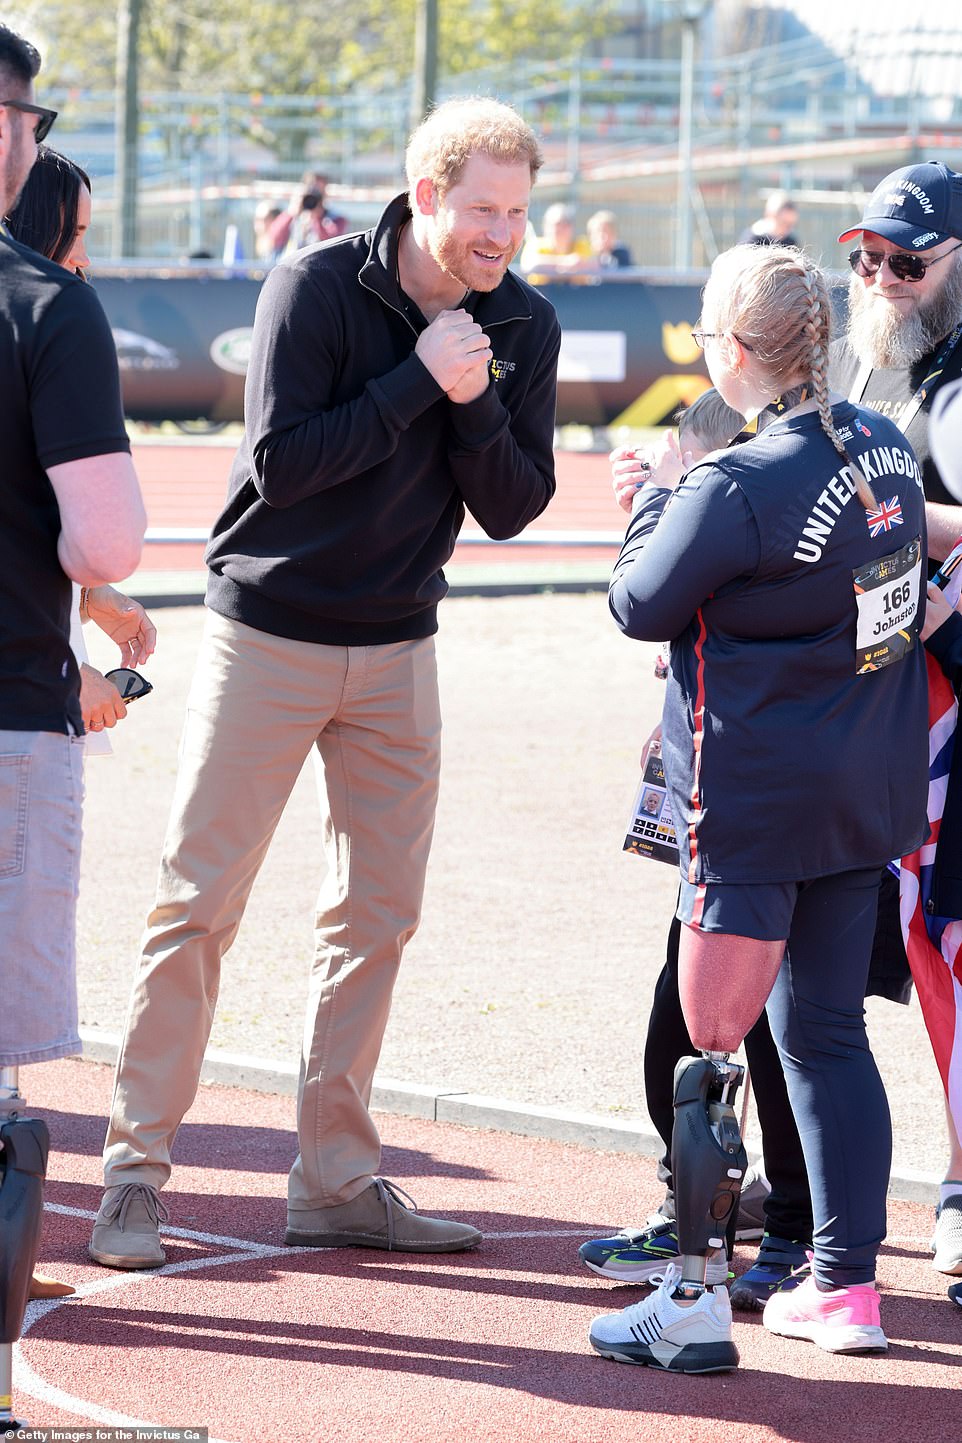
{"x": 795, "y": 720}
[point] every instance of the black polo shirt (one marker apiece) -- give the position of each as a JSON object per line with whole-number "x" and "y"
{"x": 60, "y": 392}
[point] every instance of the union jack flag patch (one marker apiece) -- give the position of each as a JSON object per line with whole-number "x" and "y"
{"x": 889, "y": 514}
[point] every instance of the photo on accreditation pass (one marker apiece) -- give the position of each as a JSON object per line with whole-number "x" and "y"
{"x": 651, "y": 832}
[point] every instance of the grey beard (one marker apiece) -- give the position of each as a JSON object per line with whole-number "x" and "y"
{"x": 881, "y": 337}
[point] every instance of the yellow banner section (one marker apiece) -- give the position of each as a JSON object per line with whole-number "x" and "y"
{"x": 661, "y": 399}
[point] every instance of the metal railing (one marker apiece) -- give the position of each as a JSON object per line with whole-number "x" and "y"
{"x": 797, "y": 115}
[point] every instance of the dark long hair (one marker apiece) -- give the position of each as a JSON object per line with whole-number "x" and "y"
{"x": 45, "y": 216}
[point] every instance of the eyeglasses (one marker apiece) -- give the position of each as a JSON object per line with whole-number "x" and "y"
{"x": 700, "y": 337}
{"x": 903, "y": 265}
{"x": 47, "y": 117}
{"x": 129, "y": 683}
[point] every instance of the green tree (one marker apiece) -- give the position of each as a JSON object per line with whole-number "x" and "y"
{"x": 320, "y": 47}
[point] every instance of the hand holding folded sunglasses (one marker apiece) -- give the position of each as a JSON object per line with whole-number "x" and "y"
{"x": 104, "y": 699}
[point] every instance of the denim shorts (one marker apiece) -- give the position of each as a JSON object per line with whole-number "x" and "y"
{"x": 41, "y": 805}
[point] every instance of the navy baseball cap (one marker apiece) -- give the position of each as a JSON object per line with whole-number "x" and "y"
{"x": 916, "y": 207}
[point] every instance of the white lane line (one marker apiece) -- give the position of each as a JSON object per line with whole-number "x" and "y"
{"x": 191, "y": 1234}
{"x": 35, "y": 1386}
{"x": 29, "y": 1381}
{"x": 215, "y": 1240}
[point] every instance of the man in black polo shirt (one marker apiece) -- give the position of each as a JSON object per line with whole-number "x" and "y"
{"x": 70, "y": 507}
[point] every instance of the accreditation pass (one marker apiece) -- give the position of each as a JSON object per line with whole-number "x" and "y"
{"x": 651, "y": 831}
{"x": 887, "y": 594}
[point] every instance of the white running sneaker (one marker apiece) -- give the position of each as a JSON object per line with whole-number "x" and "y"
{"x": 662, "y": 1333}
{"x": 947, "y": 1238}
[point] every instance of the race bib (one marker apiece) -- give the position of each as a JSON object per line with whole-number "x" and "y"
{"x": 887, "y": 594}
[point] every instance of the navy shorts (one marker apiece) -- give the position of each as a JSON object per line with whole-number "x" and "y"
{"x": 762, "y": 910}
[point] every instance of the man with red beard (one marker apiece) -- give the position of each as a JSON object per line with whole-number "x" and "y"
{"x": 904, "y": 345}
{"x": 397, "y": 379}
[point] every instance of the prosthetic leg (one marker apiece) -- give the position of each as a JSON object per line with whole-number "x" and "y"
{"x": 684, "y": 1326}
{"x": 24, "y": 1143}
{"x": 708, "y": 1161}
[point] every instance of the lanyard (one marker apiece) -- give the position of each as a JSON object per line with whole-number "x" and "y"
{"x": 909, "y": 414}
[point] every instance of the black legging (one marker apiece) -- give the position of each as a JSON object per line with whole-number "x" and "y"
{"x": 817, "y": 1015}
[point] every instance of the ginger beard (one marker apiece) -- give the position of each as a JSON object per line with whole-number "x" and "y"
{"x": 885, "y": 338}
{"x": 475, "y": 263}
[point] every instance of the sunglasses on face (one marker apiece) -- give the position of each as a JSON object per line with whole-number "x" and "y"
{"x": 47, "y": 117}
{"x": 903, "y": 265}
{"x": 129, "y": 683}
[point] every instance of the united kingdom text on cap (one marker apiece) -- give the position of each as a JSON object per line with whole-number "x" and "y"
{"x": 917, "y": 207}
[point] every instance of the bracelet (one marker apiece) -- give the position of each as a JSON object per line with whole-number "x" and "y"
{"x": 84, "y": 597}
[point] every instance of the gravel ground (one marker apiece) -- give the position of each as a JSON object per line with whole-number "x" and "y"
{"x": 531, "y": 975}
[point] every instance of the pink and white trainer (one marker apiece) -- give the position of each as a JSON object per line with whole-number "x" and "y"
{"x": 844, "y": 1321}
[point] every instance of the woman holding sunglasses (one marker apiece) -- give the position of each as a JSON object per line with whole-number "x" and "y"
{"x": 789, "y": 573}
{"x": 52, "y": 216}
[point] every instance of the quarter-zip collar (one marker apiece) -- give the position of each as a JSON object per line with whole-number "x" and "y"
{"x": 379, "y": 274}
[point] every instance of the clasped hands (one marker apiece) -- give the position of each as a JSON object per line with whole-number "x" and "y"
{"x": 457, "y": 353}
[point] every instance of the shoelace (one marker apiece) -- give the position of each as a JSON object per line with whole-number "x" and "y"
{"x": 389, "y": 1192}
{"x": 119, "y": 1205}
{"x": 669, "y": 1277}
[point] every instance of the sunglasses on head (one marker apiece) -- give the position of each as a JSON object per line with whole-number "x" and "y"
{"x": 47, "y": 117}
{"x": 903, "y": 265}
{"x": 129, "y": 683}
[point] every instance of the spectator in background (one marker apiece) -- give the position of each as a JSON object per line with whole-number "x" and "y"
{"x": 307, "y": 219}
{"x": 602, "y": 231}
{"x": 776, "y": 226}
{"x": 556, "y": 254}
{"x": 267, "y": 212}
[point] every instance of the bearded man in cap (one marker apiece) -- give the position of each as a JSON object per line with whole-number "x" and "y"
{"x": 905, "y": 306}
{"x": 903, "y": 348}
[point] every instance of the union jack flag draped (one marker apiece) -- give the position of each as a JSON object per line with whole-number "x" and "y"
{"x": 934, "y": 944}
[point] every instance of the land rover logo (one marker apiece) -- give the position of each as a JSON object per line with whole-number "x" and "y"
{"x": 231, "y": 350}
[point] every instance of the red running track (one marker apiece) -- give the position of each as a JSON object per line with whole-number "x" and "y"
{"x": 186, "y": 486}
{"x": 253, "y": 1340}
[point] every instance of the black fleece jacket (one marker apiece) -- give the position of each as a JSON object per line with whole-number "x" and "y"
{"x": 351, "y": 483}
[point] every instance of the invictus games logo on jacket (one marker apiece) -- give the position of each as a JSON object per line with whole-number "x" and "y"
{"x": 499, "y": 369}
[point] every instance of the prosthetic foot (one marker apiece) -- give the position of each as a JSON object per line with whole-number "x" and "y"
{"x": 24, "y": 1144}
{"x": 708, "y": 1161}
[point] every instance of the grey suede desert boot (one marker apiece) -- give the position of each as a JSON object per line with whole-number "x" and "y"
{"x": 379, "y": 1217}
{"x": 126, "y": 1233}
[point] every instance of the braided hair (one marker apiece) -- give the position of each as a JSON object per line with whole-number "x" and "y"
{"x": 776, "y": 301}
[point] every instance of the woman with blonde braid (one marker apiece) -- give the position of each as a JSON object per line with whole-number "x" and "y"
{"x": 789, "y": 573}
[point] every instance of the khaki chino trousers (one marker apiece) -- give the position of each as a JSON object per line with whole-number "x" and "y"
{"x": 258, "y": 705}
